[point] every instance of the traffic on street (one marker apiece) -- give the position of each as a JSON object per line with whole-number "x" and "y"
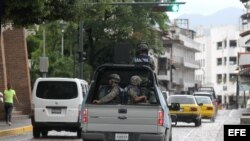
{"x": 212, "y": 131}
{"x": 124, "y": 70}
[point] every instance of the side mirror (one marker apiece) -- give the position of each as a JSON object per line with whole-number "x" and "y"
{"x": 200, "y": 104}
{"x": 174, "y": 106}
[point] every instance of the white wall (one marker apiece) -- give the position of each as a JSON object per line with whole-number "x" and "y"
{"x": 219, "y": 34}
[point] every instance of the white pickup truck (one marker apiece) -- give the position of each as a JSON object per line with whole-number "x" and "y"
{"x": 124, "y": 121}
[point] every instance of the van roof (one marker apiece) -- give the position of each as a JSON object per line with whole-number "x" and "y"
{"x": 61, "y": 79}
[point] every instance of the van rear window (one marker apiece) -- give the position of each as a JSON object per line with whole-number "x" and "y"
{"x": 56, "y": 90}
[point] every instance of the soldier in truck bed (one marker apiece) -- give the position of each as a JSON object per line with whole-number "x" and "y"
{"x": 134, "y": 91}
{"x": 142, "y": 57}
{"x": 110, "y": 93}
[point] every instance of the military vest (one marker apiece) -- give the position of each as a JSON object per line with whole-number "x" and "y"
{"x": 142, "y": 60}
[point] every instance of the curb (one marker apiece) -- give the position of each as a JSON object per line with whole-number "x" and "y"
{"x": 15, "y": 131}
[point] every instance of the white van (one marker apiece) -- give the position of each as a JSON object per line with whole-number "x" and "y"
{"x": 56, "y": 105}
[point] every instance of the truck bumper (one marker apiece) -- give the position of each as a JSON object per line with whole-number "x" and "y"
{"x": 132, "y": 136}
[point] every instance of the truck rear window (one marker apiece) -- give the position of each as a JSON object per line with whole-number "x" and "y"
{"x": 56, "y": 90}
{"x": 101, "y": 88}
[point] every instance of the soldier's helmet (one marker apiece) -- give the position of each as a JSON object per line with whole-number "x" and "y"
{"x": 142, "y": 47}
{"x": 114, "y": 77}
{"x": 135, "y": 80}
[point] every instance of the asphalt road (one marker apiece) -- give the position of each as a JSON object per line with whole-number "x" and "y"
{"x": 208, "y": 131}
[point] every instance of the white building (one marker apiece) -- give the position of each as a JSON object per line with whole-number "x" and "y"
{"x": 219, "y": 61}
{"x": 179, "y": 60}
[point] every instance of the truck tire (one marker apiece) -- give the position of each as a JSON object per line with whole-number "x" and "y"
{"x": 168, "y": 137}
{"x": 44, "y": 133}
{"x": 79, "y": 132}
{"x": 36, "y": 132}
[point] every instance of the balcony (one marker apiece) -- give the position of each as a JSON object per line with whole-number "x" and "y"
{"x": 189, "y": 43}
{"x": 178, "y": 60}
{"x": 191, "y": 63}
{"x": 244, "y": 59}
{"x": 244, "y": 40}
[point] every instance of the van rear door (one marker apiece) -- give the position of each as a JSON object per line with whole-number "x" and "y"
{"x": 57, "y": 101}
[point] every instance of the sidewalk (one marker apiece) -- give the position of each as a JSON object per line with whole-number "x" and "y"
{"x": 19, "y": 126}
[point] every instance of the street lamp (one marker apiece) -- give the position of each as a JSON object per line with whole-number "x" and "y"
{"x": 62, "y": 23}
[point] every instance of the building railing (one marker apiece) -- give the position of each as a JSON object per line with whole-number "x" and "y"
{"x": 190, "y": 43}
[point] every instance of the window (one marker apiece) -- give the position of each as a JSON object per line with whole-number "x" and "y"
{"x": 225, "y": 43}
{"x": 162, "y": 63}
{"x": 219, "y": 78}
{"x": 232, "y": 60}
{"x": 219, "y": 45}
{"x": 233, "y": 43}
{"x": 181, "y": 99}
{"x": 57, "y": 90}
{"x": 232, "y": 77}
{"x": 219, "y": 61}
{"x": 247, "y": 49}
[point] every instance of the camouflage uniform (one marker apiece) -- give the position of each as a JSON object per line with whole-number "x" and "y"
{"x": 134, "y": 90}
{"x": 112, "y": 94}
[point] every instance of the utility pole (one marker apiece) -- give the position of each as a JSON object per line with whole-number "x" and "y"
{"x": 237, "y": 92}
{"x": 44, "y": 61}
{"x": 81, "y": 48}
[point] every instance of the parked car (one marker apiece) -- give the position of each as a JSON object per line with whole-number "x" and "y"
{"x": 147, "y": 121}
{"x": 211, "y": 96}
{"x": 189, "y": 111}
{"x": 56, "y": 105}
{"x": 207, "y": 107}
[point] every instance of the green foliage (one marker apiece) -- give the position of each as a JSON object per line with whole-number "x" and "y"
{"x": 62, "y": 67}
{"x": 27, "y": 12}
{"x": 33, "y": 43}
{"x": 105, "y": 25}
{"x": 112, "y": 24}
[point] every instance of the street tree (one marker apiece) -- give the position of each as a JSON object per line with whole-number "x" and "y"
{"x": 108, "y": 24}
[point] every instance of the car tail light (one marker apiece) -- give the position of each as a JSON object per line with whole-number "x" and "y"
{"x": 85, "y": 116}
{"x": 193, "y": 109}
{"x": 160, "y": 118}
{"x": 209, "y": 108}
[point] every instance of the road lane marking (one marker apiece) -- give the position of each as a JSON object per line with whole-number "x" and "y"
{"x": 231, "y": 113}
{"x": 183, "y": 139}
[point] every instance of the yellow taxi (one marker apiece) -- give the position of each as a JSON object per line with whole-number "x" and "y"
{"x": 189, "y": 111}
{"x": 207, "y": 107}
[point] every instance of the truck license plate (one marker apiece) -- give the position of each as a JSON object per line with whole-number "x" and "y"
{"x": 121, "y": 137}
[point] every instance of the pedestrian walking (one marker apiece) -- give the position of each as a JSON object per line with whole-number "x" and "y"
{"x": 9, "y": 95}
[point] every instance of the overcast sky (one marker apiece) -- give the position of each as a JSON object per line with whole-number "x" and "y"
{"x": 204, "y": 7}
